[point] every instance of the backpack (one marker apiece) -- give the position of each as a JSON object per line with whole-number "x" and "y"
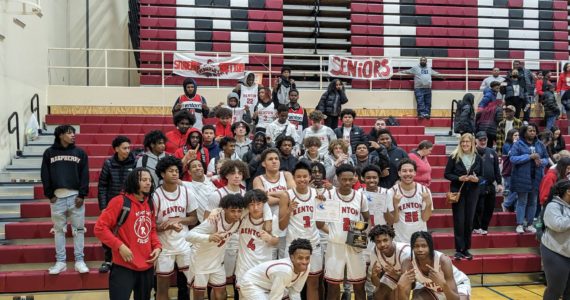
{"x": 540, "y": 226}
{"x": 125, "y": 213}
{"x": 391, "y": 121}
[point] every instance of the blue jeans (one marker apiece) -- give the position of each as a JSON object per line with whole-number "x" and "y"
{"x": 550, "y": 122}
{"x": 526, "y": 207}
{"x": 62, "y": 208}
{"x": 423, "y": 100}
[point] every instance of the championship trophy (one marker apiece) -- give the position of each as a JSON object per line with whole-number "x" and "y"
{"x": 356, "y": 236}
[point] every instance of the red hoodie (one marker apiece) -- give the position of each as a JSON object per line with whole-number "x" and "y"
{"x": 205, "y": 158}
{"x": 138, "y": 232}
{"x": 546, "y": 185}
{"x": 175, "y": 140}
{"x": 222, "y": 130}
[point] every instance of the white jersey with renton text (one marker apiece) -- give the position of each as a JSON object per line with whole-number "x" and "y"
{"x": 173, "y": 205}
{"x": 411, "y": 206}
{"x": 301, "y": 222}
{"x": 351, "y": 207}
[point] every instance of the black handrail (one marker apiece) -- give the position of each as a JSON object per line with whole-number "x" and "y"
{"x": 317, "y": 30}
{"x": 36, "y": 109}
{"x": 453, "y": 115}
{"x": 16, "y": 129}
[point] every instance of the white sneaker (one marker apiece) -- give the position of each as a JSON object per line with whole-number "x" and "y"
{"x": 476, "y": 231}
{"x": 57, "y": 268}
{"x": 483, "y": 232}
{"x": 520, "y": 229}
{"x": 81, "y": 267}
{"x": 530, "y": 229}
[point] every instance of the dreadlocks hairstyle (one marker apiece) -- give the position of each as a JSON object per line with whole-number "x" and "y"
{"x": 167, "y": 162}
{"x": 379, "y": 230}
{"x": 255, "y": 195}
{"x": 232, "y": 201}
{"x": 62, "y": 129}
{"x": 321, "y": 168}
{"x": 426, "y": 236}
{"x": 132, "y": 184}
{"x": 302, "y": 244}
{"x": 231, "y": 166}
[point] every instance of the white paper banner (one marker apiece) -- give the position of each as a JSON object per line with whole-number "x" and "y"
{"x": 360, "y": 68}
{"x": 226, "y": 67}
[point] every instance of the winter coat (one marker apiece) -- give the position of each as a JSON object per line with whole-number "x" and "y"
{"x": 488, "y": 96}
{"x": 549, "y": 103}
{"x": 357, "y": 135}
{"x": 395, "y": 154}
{"x": 489, "y": 117}
{"x": 464, "y": 121}
{"x": 455, "y": 169}
{"x": 546, "y": 184}
{"x": 510, "y": 91}
{"x": 525, "y": 175}
{"x": 563, "y": 83}
{"x": 332, "y": 100}
{"x": 112, "y": 178}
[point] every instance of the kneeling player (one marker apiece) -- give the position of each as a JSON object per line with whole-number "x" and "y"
{"x": 386, "y": 261}
{"x": 432, "y": 271}
{"x": 209, "y": 241}
{"x": 275, "y": 279}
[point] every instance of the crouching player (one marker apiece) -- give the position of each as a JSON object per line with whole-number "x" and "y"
{"x": 275, "y": 279}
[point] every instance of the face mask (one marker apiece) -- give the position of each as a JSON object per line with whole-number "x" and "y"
{"x": 515, "y": 76}
{"x": 423, "y": 64}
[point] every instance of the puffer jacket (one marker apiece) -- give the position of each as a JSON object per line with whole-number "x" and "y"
{"x": 556, "y": 237}
{"x": 465, "y": 116}
{"x": 525, "y": 175}
{"x": 488, "y": 96}
{"x": 332, "y": 100}
{"x": 112, "y": 178}
{"x": 550, "y": 106}
{"x": 357, "y": 135}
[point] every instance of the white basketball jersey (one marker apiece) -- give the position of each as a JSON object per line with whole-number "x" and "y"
{"x": 401, "y": 253}
{"x": 253, "y": 250}
{"x": 376, "y": 206}
{"x": 249, "y": 96}
{"x": 278, "y": 186}
{"x": 411, "y": 206}
{"x": 265, "y": 115}
{"x": 301, "y": 222}
{"x": 351, "y": 207}
{"x": 262, "y": 276}
{"x": 173, "y": 205}
{"x": 237, "y": 113}
{"x": 216, "y": 196}
{"x": 459, "y": 276}
{"x": 200, "y": 191}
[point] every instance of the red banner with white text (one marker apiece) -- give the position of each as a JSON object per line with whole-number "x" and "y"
{"x": 225, "y": 67}
{"x": 360, "y": 68}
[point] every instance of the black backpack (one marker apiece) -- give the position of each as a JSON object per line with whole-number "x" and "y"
{"x": 392, "y": 121}
{"x": 124, "y": 214}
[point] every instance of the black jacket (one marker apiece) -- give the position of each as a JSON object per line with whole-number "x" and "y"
{"x": 65, "y": 168}
{"x": 112, "y": 178}
{"x": 455, "y": 169}
{"x": 490, "y": 171}
{"x": 332, "y": 100}
{"x": 287, "y": 164}
{"x": 464, "y": 117}
{"x": 395, "y": 154}
{"x": 550, "y": 106}
{"x": 356, "y": 135}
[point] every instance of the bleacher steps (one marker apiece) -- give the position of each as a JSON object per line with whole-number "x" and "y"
{"x": 19, "y": 192}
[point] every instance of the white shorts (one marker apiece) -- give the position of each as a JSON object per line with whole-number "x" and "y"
{"x": 165, "y": 263}
{"x": 316, "y": 265}
{"x": 340, "y": 256}
{"x": 216, "y": 279}
{"x": 250, "y": 291}
{"x": 463, "y": 288}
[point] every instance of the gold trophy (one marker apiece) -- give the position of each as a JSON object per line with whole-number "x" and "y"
{"x": 356, "y": 236}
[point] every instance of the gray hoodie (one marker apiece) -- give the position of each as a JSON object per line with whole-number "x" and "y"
{"x": 556, "y": 237}
{"x": 243, "y": 148}
{"x": 422, "y": 76}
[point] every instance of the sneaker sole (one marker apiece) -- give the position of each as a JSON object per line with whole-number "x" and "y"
{"x": 63, "y": 270}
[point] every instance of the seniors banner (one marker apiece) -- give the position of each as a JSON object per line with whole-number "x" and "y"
{"x": 224, "y": 67}
{"x": 360, "y": 68}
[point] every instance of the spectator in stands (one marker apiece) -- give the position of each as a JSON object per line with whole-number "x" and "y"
{"x": 526, "y": 76}
{"x": 65, "y": 179}
{"x": 529, "y": 157}
{"x": 508, "y": 123}
{"x": 491, "y": 174}
{"x": 464, "y": 121}
{"x": 241, "y": 134}
{"x": 297, "y": 114}
{"x": 395, "y": 154}
{"x": 558, "y": 144}
{"x": 462, "y": 169}
{"x": 487, "y": 119}
{"x": 175, "y": 138}
{"x": 238, "y": 113}
{"x": 379, "y": 124}
{"x": 511, "y": 198}
{"x": 490, "y": 94}
{"x": 422, "y": 87}
{"x": 248, "y": 91}
{"x": 154, "y": 145}
{"x": 562, "y": 86}
{"x": 192, "y": 102}
{"x": 349, "y": 132}
{"x": 111, "y": 180}
{"x": 338, "y": 155}
{"x": 323, "y": 133}
{"x": 282, "y": 126}
{"x": 285, "y": 147}
{"x": 224, "y": 123}
{"x": 312, "y": 145}
{"x": 551, "y": 110}
{"x": 495, "y": 76}
{"x": 516, "y": 93}
{"x": 135, "y": 244}
{"x": 264, "y": 111}
{"x": 209, "y": 141}
{"x": 362, "y": 158}
{"x": 560, "y": 171}
{"x": 542, "y": 83}
{"x": 282, "y": 86}
{"x": 252, "y": 158}
{"x": 554, "y": 249}
{"x": 331, "y": 102}
{"x": 423, "y": 167}
{"x": 193, "y": 149}
{"x": 228, "y": 145}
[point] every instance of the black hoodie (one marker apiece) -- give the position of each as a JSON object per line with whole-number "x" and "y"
{"x": 65, "y": 168}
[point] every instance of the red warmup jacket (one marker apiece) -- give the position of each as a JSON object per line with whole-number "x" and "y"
{"x": 138, "y": 232}
{"x": 222, "y": 130}
{"x": 546, "y": 185}
{"x": 175, "y": 140}
{"x": 562, "y": 84}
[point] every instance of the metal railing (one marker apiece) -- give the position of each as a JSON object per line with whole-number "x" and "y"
{"x": 36, "y": 108}
{"x": 321, "y": 62}
{"x": 454, "y": 105}
{"x": 16, "y": 129}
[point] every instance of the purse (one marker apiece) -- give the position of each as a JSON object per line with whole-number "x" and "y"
{"x": 453, "y": 197}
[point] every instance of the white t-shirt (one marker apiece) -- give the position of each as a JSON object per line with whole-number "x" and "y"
{"x": 508, "y": 127}
{"x": 411, "y": 206}
{"x": 325, "y": 135}
{"x": 200, "y": 191}
{"x": 351, "y": 208}
{"x": 173, "y": 205}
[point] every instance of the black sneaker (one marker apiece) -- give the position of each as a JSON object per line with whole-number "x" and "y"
{"x": 105, "y": 267}
{"x": 467, "y": 255}
{"x": 458, "y": 255}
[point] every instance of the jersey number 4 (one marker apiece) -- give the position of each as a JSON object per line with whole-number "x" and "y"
{"x": 251, "y": 245}
{"x": 411, "y": 216}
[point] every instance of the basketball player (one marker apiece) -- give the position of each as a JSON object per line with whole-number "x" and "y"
{"x": 174, "y": 211}
{"x": 386, "y": 261}
{"x": 296, "y": 216}
{"x": 275, "y": 183}
{"x": 432, "y": 271}
{"x": 411, "y": 204}
{"x": 275, "y": 279}
{"x": 255, "y": 243}
{"x": 201, "y": 187}
{"x": 209, "y": 241}
{"x": 353, "y": 206}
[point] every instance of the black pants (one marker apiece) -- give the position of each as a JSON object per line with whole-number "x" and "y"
{"x": 108, "y": 253}
{"x": 182, "y": 284}
{"x": 463, "y": 214}
{"x": 332, "y": 122}
{"x": 557, "y": 271}
{"x": 491, "y": 140}
{"x": 123, "y": 282}
{"x": 485, "y": 207}
{"x": 519, "y": 104}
